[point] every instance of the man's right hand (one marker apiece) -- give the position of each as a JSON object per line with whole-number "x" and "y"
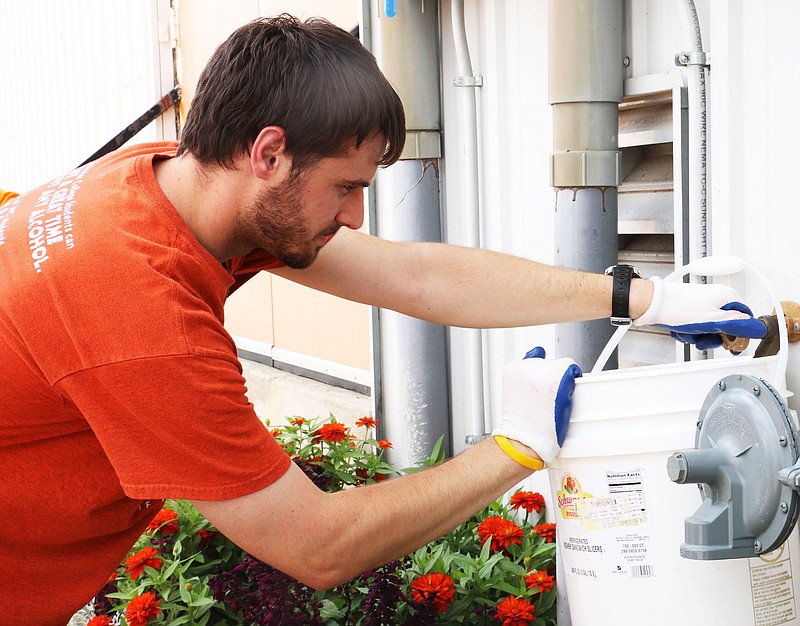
{"x": 700, "y": 314}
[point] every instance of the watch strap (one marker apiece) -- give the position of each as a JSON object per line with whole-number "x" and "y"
{"x": 620, "y": 295}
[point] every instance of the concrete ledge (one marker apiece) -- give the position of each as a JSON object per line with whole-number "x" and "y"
{"x": 278, "y": 395}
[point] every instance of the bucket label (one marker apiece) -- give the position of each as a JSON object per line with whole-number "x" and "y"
{"x": 605, "y": 533}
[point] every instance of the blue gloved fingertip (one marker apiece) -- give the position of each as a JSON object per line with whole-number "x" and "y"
{"x": 737, "y": 306}
{"x": 535, "y": 353}
{"x": 563, "y": 404}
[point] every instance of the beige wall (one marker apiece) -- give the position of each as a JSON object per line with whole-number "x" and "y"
{"x": 269, "y": 309}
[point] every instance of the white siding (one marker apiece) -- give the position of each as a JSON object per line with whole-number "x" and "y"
{"x": 73, "y": 75}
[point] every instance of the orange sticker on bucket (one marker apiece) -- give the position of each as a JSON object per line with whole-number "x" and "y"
{"x": 569, "y": 495}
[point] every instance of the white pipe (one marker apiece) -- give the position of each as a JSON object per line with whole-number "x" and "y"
{"x": 467, "y": 222}
{"x": 696, "y": 75}
{"x": 469, "y": 227}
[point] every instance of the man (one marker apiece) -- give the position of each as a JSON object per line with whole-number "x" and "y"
{"x": 120, "y": 387}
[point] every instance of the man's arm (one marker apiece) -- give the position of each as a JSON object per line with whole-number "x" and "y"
{"x": 324, "y": 539}
{"x": 476, "y": 288}
{"x": 457, "y": 286}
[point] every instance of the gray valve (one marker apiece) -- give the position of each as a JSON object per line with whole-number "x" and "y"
{"x": 746, "y": 463}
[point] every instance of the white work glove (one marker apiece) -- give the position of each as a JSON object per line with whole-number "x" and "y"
{"x": 537, "y": 402}
{"x": 700, "y": 314}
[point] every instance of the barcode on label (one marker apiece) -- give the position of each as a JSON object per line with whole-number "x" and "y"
{"x": 642, "y": 571}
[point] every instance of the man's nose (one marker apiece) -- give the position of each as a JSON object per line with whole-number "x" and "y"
{"x": 351, "y": 214}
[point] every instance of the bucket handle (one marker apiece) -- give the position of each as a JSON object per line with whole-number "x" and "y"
{"x": 714, "y": 266}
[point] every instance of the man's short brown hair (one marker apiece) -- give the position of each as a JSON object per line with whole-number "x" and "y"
{"x": 313, "y": 79}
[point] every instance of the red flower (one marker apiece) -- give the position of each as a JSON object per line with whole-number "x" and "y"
{"x": 99, "y": 620}
{"x": 142, "y": 609}
{"x": 436, "y": 587}
{"x": 544, "y": 581}
{"x": 167, "y": 520}
{"x": 367, "y": 422}
{"x": 332, "y": 432}
{"x": 502, "y": 532}
{"x": 297, "y": 421}
{"x": 546, "y": 531}
{"x": 384, "y": 444}
{"x": 527, "y": 500}
{"x": 205, "y": 537}
{"x": 364, "y": 473}
{"x": 275, "y": 432}
{"x": 137, "y": 562}
{"x": 515, "y": 611}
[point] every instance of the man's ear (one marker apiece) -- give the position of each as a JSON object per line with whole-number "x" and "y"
{"x": 268, "y": 157}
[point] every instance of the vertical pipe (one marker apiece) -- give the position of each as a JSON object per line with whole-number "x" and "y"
{"x": 467, "y": 353}
{"x": 410, "y": 364}
{"x": 413, "y": 352}
{"x": 585, "y": 50}
{"x": 695, "y": 61}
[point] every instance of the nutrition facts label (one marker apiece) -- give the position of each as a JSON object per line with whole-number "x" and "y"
{"x": 608, "y": 533}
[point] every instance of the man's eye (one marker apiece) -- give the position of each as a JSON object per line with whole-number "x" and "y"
{"x": 347, "y": 188}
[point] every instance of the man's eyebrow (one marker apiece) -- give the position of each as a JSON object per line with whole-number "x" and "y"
{"x": 357, "y": 183}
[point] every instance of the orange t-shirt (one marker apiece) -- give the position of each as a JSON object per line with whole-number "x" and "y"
{"x": 119, "y": 386}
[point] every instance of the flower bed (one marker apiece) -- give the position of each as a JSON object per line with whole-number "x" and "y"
{"x": 495, "y": 568}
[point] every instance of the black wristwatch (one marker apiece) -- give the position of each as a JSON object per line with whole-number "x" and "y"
{"x": 623, "y": 274}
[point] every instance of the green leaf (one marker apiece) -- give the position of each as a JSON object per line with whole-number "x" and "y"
{"x": 329, "y": 610}
{"x": 171, "y": 569}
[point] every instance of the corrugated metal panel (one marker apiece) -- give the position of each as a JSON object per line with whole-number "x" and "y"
{"x": 74, "y": 74}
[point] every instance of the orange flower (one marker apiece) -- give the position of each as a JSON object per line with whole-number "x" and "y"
{"x": 546, "y": 531}
{"x": 527, "y": 500}
{"x": 436, "y": 587}
{"x": 137, "y": 562}
{"x": 275, "y": 432}
{"x": 515, "y": 611}
{"x": 142, "y": 609}
{"x": 205, "y": 537}
{"x": 502, "y": 532}
{"x": 544, "y": 581}
{"x": 99, "y": 620}
{"x": 332, "y": 432}
{"x": 384, "y": 444}
{"x": 167, "y": 520}
{"x": 297, "y": 421}
{"x": 364, "y": 473}
{"x": 367, "y": 422}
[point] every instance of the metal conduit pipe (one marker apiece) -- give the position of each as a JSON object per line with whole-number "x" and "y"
{"x": 585, "y": 54}
{"x": 696, "y": 60}
{"x": 410, "y": 360}
{"x": 466, "y": 345}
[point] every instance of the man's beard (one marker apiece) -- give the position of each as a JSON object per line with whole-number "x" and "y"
{"x": 275, "y": 221}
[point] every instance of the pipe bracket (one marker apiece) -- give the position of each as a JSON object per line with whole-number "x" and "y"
{"x": 697, "y": 57}
{"x": 468, "y": 81}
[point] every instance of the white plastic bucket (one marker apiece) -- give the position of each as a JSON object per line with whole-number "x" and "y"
{"x": 620, "y": 530}
{"x": 620, "y": 520}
